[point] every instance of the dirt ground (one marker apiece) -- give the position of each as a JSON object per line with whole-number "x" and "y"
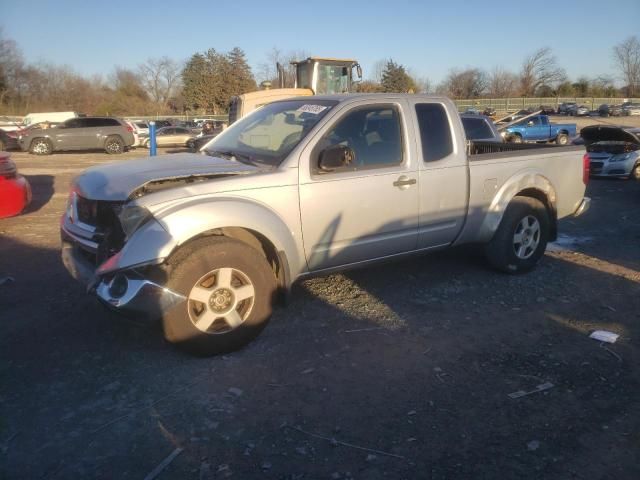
{"x": 400, "y": 371}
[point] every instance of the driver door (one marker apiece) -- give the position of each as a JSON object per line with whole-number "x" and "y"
{"x": 368, "y": 209}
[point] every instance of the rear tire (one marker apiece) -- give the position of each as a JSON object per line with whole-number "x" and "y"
{"x": 562, "y": 139}
{"x": 41, "y": 146}
{"x": 114, "y": 145}
{"x": 521, "y": 238}
{"x": 230, "y": 290}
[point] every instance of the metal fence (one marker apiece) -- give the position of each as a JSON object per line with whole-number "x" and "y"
{"x": 185, "y": 118}
{"x": 517, "y": 103}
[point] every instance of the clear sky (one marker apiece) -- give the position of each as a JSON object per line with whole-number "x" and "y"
{"x": 93, "y": 36}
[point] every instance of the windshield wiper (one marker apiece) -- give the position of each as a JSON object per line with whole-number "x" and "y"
{"x": 231, "y": 155}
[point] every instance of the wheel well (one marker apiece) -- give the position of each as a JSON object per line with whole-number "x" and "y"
{"x": 113, "y": 135}
{"x": 551, "y": 209}
{"x": 276, "y": 260}
{"x": 563, "y": 132}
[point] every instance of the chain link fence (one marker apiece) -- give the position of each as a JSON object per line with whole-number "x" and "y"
{"x": 518, "y": 103}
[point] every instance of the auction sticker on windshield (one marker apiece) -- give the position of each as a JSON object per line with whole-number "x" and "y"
{"x": 315, "y": 109}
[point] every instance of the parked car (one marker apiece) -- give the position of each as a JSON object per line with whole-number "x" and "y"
{"x": 303, "y": 187}
{"x": 15, "y": 191}
{"x": 162, "y": 123}
{"x": 141, "y": 127}
{"x": 54, "y": 117}
{"x": 9, "y": 140}
{"x": 546, "y": 110}
{"x": 489, "y": 112}
{"x": 480, "y": 128}
{"x": 566, "y": 108}
{"x": 81, "y": 133}
{"x": 609, "y": 110}
{"x": 471, "y": 111}
{"x": 196, "y": 143}
{"x": 10, "y": 124}
{"x": 538, "y": 129}
{"x": 171, "y": 137}
{"x": 582, "y": 111}
{"x": 631, "y": 109}
{"x": 613, "y": 151}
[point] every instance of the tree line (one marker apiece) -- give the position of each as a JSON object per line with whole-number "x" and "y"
{"x": 205, "y": 82}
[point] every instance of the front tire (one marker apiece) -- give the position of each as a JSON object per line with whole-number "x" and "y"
{"x": 635, "y": 173}
{"x": 230, "y": 289}
{"x": 114, "y": 145}
{"x": 41, "y": 146}
{"x": 521, "y": 238}
{"x": 515, "y": 139}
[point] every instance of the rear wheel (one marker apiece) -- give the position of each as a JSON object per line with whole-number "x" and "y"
{"x": 114, "y": 145}
{"x": 41, "y": 146}
{"x": 521, "y": 238}
{"x": 229, "y": 288}
{"x": 562, "y": 139}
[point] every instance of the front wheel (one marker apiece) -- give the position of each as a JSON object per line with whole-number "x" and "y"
{"x": 515, "y": 139}
{"x": 41, "y": 146}
{"x": 635, "y": 173}
{"x": 562, "y": 139}
{"x": 521, "y": 238}
{"x": 229, "y": 289}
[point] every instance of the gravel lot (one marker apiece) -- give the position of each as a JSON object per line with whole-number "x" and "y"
{"x": 396, "y": 371}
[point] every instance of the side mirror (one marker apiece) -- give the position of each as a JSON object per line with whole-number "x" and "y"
{"x": 530, "y": 123}
{"x": 335, "y": 156}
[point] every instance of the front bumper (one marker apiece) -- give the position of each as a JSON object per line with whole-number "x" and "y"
{"x": 124, "y": 291}
{"x": 584, "y": 205}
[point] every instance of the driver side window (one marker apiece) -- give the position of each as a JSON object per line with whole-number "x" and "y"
{"x": 373, "y": 134}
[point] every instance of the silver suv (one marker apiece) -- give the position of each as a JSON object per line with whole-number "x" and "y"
{"x": 83, "y": 133}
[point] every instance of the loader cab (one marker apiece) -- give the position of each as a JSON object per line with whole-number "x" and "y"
{"x": 327, "y": 76}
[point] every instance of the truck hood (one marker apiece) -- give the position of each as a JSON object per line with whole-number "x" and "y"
{"x": 604, "y": 133}
{"x": 133, "y": 178}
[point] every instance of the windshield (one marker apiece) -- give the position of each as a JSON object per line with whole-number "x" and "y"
{"x": 332, "y": 79}
{"x": 271, "y": 132}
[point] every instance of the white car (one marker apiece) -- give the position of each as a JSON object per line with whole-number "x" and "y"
{"x": 140, "y": 130}
{"x": 631, "y": 109}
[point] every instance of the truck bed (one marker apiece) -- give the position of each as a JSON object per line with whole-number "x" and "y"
{"x": 498, "y": 171}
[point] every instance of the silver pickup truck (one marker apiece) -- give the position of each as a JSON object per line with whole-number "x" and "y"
{"x": 208, "y": 242}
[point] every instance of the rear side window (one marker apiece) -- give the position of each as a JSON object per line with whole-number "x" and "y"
{"x": 435, "y": 132}
{"x": 476, "y": 129}
{"x": 101, "y": 122}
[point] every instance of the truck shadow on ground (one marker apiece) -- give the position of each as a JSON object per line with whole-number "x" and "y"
{"x": 42, "y": 189}
{"x": 414, "y": 358}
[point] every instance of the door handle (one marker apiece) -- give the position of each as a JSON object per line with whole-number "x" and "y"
{"x": 403, "y": 182}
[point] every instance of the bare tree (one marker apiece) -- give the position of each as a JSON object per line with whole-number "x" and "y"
{"x": 627, "y": 57}
{"x": 378, "y": 70}
{"x": 160, "y": 77}
{"x": 468, "y": 83}
{"x": 540, "y": 69}
{"x": 502, "y": 83}
{"x": 267, "y": 71}
{"x": 422, "y": 83}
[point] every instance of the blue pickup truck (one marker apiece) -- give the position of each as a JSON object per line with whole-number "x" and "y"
{"x": 539, "y": 129}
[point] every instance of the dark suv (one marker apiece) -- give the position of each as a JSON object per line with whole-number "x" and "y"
{"x": 82, "y": 133}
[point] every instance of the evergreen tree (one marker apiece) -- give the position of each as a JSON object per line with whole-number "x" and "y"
{"x": 396, "y": 79}
{"x": 210, "y": 79}
{"x": 241, "y": 78}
